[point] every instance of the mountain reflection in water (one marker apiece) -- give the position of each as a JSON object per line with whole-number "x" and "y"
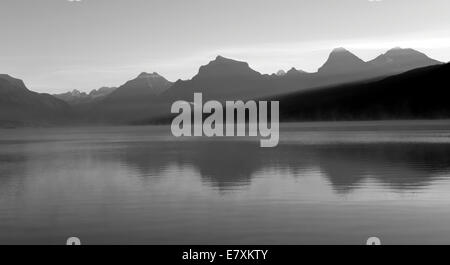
{"x": 333, "y": 184}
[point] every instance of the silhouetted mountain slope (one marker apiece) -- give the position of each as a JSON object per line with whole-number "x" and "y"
{"x": 399, "y": 60}
{"x": 13, "y": 84}
{"x": 224, "y": 78}
{"x": 221, "y": 79}
{"x": 342, "y": 61}
{"x": 224, "y": 67}
{"x": 20, "y": 106}
{"x": 420, "y": 93}
{"x": 145, "y": 85}
{"x": 342, "y": 66}
{"x": 135, "y": 99}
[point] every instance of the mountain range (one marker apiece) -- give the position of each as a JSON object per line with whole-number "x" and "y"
{"x": 75, "y": 97}
{"x": 150, "y": 95}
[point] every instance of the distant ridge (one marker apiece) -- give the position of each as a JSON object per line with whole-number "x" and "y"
{"x": 417, "y": 94}
{"x": 402, "y": 60}
{"x": 75, "y": 97}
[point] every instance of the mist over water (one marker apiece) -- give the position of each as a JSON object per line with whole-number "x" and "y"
{"x": 324, "y": 183}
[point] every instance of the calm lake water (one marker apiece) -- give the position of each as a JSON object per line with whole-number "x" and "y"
{"x": 337, "y": 183}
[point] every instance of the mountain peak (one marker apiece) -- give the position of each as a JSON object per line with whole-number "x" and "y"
{"x": 222, "y": 66}
{"x": 401, "y": 51}
{"x": 224, "y": 60}
{"x": 401, "y": 59}
{"x": 77, "y": 92}
{"x": 396, "y": 48}
{"x": 221, "y": 58}
{"x": 339, "y": 50}
{"x": 148, "y": 75}
{"x": 294, "y": 71}
{"x": 281, "y": 73}
{"x": 342, "y": 61}
{"x": 145, "y": 84}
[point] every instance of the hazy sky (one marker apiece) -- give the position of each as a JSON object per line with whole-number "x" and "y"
{"x": 59, "y": 45}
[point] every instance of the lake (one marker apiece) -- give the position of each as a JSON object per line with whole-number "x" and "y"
{"x": 325, "y": 183}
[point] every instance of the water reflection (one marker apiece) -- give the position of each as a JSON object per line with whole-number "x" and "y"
{"x": 399, "y": 166}
{"x": 232, "y": 165}
{"x": 223, "y": 165}
{"x": 133, "y": 185}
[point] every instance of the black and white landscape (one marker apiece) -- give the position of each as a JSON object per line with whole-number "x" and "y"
{"x": 399, "y": 84}
{"x": 86, "y": 148}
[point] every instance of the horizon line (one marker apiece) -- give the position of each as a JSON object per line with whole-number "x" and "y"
{"x": 215, "y": 57}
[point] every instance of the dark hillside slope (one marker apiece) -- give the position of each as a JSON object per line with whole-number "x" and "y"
{"x": 420, "y": 93}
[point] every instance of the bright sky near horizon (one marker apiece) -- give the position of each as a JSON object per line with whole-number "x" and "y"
{"x": 60, "y": 45}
